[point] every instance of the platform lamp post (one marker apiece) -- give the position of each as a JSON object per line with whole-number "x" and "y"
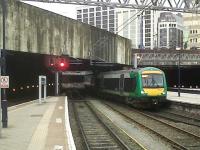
{"x": 3, "y": 70}
{"x": 179, "y": 73}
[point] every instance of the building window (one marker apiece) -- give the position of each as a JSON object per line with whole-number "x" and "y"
{"x": 147, "y": 21}
{"x": 98, "y": 18}
{"x": 98, "y": 23}
{"x": 111, "y": 17}
{"x": 92, "y": 22}
{"x": 105, "y": 17}
{"x": 148, "y": 17}
{"x": 85, "y": 20}
{"x": 111, "y": 29}
{"x": 91, "y": 19}
{"x": 104, "y": 12}
{"x": 85, "y": 15}
{"x": 98, "y": 8}
{"x": 91, "y": 9}
{"x": 105, "y": 22}
{"x": 78, "y": 16}
{"x": 190, "y": 40}
{"x": 85, "y": 10}
{"x": 148, "y": 26}
{"x": 111, "y": 12}
{"x": 104, "y": 8}
{"x": 190, "y": 31}
{"x": 91, "y": 14}
{"x": 104, "y": 25}
{"x": 79, "y": 19}
{"x": 111, "y": 25}
{"x": 111, "y": 21}
{"x": 147, "y": 12}
{"x": 79, "y": 12}
{"x": 98, "y": 14}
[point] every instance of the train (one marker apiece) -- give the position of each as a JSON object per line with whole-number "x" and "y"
{"x": 142, "y": 87}
{"x": 75, "y": 83}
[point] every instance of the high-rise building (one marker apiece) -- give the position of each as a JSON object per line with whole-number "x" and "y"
{"x": 140, "y": 28}
{"x": 148, "y": 31}
{"x": 192, "y": 24}
{"x": 128, "y": 26}
{"x": 101, "y": 17}
{"x": 170, "y": 30}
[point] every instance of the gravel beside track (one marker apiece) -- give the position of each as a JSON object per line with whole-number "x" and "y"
{"x": 178, "y": 138}
{"x": 121, "y": 134}
{"x": 179, "y": 117}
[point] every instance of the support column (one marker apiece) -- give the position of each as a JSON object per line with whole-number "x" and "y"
{"x": 56, "y": 83}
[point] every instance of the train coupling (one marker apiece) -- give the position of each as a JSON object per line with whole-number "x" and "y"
{"x": 155, "y": 101}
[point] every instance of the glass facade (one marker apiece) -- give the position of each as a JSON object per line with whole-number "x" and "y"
{"x": 124, "y": 22}
{"x": 170, "y": 30}
{"x": 101, "y": 17}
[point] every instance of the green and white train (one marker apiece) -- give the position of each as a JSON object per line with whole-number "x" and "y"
{"x": 142, "y": 87}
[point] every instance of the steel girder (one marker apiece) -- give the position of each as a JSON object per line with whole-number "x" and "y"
{"x": 168, "y": 59}
{"x": 189, "y": 6}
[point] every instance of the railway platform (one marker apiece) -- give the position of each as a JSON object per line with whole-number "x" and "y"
{"x": 34, "y": 126}
{"x": 187, "y": 98}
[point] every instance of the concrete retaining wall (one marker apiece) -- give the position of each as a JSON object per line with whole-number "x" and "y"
{"x": 31, "y": 29}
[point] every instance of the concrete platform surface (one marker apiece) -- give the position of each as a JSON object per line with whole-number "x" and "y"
{"x": 34, "y": 126}
{"x": 184, "y": 97}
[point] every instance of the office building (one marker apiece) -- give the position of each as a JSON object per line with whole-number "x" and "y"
{"x": 140, "y": 28}
{"x": 192, "y": 24}
{"x": 170, "y": 30}
{"x": 101, "y": 17}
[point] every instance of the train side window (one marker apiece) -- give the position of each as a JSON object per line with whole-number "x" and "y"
{"x": 102, "y": 81}
{"x": 121, "y": 83}
{"x": 111, "y": 83}
{"x": 129, "y": 84}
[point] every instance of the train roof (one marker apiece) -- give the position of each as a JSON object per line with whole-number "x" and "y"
{"x": 77, "y": 73}
{"x": 132, "y": 70}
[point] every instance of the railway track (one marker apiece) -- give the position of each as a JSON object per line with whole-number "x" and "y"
{"x": 176, "y": 117}
{"x": 178, "y": 138}
{"x": 95, "y": 133}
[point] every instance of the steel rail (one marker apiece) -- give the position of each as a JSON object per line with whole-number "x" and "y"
{"x": 125, "y": 147}
{"x": 109, "y": 131}
{"x": 174, "y": 143}
{"x": 80, "y": 126}
{"x": 186, "y": 119}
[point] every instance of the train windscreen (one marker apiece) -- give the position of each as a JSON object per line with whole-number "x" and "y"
{"x": 73, "y": 79}
{"x": 152, "y": 80}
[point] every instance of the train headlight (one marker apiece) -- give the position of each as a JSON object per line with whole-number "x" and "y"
{"x": 163, "y": 93}
{"x": 142, "y": 92}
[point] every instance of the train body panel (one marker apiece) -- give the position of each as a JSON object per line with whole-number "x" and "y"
{"x": 76, "y": 79}
{"x": 76, "y": 84}
{"x": 143, "y": 87}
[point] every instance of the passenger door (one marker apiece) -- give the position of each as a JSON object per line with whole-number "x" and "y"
{"x": 121, "y": 84}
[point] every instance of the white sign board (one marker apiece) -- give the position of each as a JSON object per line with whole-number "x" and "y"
{"x": 42, "y": 82}
{"x": 4, "y": 81}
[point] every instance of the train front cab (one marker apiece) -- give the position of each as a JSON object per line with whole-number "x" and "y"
{"x": 153, "y": 87}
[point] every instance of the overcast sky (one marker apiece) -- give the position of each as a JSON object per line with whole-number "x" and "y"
{"x": 63, "y": 9}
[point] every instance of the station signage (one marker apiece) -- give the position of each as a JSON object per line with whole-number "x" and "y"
{"x": 4, "y": 81}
